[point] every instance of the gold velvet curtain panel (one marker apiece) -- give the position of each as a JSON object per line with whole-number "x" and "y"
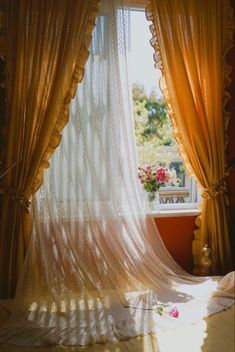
{"x": 191, "y": 38}
{"x": 47, "y": 44}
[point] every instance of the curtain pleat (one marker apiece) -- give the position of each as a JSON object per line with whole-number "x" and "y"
{"x": 97, "y": 269}
{"x": 47, "y": 45}
{"x": 191, "y": 39}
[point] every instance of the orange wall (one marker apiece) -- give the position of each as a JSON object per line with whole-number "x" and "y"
{"x": 177, "y": 234}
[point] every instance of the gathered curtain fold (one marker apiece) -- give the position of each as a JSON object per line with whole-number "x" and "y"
{"x": 96, "y": 268}
{"x": 47, "y": 45}
{"x": 191, "y": 39}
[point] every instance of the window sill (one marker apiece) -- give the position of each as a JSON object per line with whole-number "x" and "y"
{"x": 170, "y": 213}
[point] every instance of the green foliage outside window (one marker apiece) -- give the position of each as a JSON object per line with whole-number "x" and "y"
{"x": 154, "y": 132}
{"x": 152, "y": 122}
{"x": 153, "y": 127}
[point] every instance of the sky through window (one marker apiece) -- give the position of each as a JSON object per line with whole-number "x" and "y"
{"x": 142, "y": 63}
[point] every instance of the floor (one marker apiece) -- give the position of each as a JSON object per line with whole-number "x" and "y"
{"x": 213, "y": 334}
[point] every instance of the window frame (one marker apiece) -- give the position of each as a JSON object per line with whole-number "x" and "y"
{"x": 170, "y": 209}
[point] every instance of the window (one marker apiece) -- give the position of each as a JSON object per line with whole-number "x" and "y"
{"x": 153, "y": 127}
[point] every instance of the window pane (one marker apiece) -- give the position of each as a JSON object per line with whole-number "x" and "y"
{"x": 154, "y": 132}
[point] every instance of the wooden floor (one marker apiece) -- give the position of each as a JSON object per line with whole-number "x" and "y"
{"x": 214, "y": 334}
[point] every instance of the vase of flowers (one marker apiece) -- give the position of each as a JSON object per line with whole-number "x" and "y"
{"x": 152, "y": 177}
{"x": 153, "y": 199}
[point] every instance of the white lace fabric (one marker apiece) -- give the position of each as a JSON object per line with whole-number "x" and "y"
{"x": 96, "y": 268}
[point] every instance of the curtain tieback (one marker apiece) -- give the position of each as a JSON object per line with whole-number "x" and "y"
{"x": 214, "y": 190}
{"x": 18, "y": 197}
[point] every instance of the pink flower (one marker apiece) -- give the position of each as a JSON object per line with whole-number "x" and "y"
{"x": 153, "y": 177}
{"x": 174, "y": 312}
{"x": 161, "y": 175}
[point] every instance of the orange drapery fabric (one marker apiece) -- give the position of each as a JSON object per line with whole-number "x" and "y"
{"x": 47, "y": 45}
{"x": 191, "y": 38}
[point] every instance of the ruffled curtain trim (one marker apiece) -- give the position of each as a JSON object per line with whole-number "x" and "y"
{"x": 163, "y": 86}
{"x": 64, "y": 113}
{"x": 227, "y": 69}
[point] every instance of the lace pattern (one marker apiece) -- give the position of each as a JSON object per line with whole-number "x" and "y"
{"x": 96, "y": 268}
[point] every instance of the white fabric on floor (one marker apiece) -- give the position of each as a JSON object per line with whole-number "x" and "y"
{"x": 96, "y": 268}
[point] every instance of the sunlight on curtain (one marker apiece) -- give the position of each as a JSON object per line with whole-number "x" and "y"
{"x": 191, "y": 39}
{"x": 46, "y": 52}
{"x": 97, "y": 269}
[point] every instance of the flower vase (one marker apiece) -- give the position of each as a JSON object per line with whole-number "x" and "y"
{"x": 153, "y": 199}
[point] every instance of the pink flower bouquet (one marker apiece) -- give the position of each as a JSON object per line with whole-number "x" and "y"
{"x": 152, "y": 177}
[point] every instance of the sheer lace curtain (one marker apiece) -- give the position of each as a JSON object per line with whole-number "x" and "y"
{"x": 96, "y": 267}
